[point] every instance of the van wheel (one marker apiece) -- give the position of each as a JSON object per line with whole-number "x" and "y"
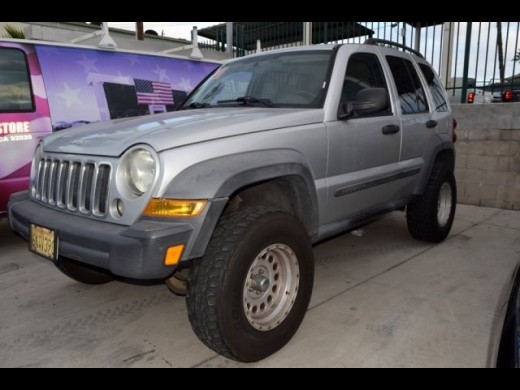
{"x": 83, "y": 273}
{"x": 249, "y": 294}
{"x": 430, "y": 216}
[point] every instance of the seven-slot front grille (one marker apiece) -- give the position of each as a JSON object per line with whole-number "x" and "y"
{"x": 73, "y": 185}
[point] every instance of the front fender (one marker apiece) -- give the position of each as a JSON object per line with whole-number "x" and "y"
{"x": 224, "y": 176}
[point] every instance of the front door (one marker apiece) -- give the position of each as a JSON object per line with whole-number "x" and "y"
{"x": 364, "y": 150}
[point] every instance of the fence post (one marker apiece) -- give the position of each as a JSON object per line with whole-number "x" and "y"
{"x": 466, "y": 64}
{"x": 229, "y": 37}
{"x": 447, "y": 51}
{"x": 307, "y": 33}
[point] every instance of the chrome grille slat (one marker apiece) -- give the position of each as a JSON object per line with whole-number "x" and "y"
{"x": 76, "y": 186}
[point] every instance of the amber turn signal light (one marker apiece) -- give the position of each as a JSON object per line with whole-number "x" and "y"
{"x": 173, "y": 208}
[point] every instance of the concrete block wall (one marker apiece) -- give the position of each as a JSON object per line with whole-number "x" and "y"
{"x": 488, "y": 155}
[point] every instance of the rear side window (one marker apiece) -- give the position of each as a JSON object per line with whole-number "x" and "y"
{"x": 15, "y": 84}
{"x": 435, "y": 88}
{"x": 411, "y": 93}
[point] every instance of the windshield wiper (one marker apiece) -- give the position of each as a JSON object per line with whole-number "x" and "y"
{"x": 248, "y": 101}
{"x": 196, "y": 106}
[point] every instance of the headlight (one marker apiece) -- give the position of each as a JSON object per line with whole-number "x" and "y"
{"x": 138, "y": 169}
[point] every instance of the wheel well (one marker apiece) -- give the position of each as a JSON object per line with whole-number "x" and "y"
{"x": 289, "y": 194}
{"x": 447, "y": 157}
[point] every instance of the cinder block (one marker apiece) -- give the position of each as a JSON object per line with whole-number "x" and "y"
{"x": 477, "y": 191}
{"x": 497, "y": 204}
{"x": 497, "y": 148}
{"x": 487, "y": 163}
{"x": 462, "y": 135}
{"x": 477, "y": 148}
{"x": 484, "y": 135}
{"x": 514, "y": 165}
{"x": 470, "y": 201}
{"x": 514, "y": 148}
{"x": 462, "y": 147}
{"x": 509, "y": 194}
{"x": 515, "y": 133}
{"x": 504, "y": 164}
{"x": 460, "y": 162}
{"x": 469, "y": 175}
{"x": 504, "y": 179}
{"x": 506, "y": 135}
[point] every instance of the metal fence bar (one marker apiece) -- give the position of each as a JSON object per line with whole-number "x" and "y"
{"x": 472, "y": 63}
{"x": 466, "y": 63}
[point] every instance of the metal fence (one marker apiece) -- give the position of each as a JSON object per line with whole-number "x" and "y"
{"x": 478, "y": 57}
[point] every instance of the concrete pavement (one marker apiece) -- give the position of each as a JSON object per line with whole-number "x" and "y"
{"x": 381, "y": 300}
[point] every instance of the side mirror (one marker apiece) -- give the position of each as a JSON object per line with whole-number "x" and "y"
{"x": 369, "y": 101}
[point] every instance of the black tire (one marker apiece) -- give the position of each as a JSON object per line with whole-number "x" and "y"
{"x": 430, "y": 217}
{"x": 218, "y": 283}
{"x": 83, "y": 273}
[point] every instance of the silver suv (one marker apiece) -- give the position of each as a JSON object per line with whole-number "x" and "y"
{"x": 271, "y": 154}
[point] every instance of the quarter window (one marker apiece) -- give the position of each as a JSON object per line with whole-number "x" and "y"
{"x": 435, "y": 88}
{"x": 15, "y": 85}
{"x": 409, "y": 88}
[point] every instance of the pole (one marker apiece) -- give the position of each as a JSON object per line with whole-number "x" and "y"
{"x": 447, "y": 50}
{"x": 229, "y": 37}
{"x": 418, "y": 32}
{"x": 466, "y": 64}
{"x": 307, "y": 33}
{"x": 139, "y": 30}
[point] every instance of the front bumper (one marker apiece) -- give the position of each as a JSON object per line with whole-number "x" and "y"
{"x": 135, "y": 252}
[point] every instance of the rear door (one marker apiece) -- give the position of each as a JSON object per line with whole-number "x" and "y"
{"x": 418, "y": 124}
{"x": 24, "y": 116}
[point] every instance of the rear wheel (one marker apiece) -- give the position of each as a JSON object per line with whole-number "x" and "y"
{"x": 83, "y": 273}
{"x": 249, "y": 294}
{"x": 430, "y": 216}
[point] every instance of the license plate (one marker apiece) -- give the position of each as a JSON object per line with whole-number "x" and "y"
{"x": 44, "y": 242}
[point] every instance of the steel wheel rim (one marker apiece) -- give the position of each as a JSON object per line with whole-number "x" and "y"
{"x": 271, "y": 287}
{"x": 444, "y": 205}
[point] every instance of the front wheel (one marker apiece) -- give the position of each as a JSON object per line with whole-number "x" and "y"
{"x": 430, "y": 216}
{"x": 249, "y": 294}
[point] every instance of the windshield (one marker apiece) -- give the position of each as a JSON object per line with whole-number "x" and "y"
{"x": 282, "y": 80}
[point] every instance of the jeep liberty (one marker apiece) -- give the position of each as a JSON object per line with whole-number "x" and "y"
{"x": 225, "y": 198}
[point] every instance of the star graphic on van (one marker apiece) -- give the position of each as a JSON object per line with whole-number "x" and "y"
{"x": 70, "y": 96}
{"x": 161, "y": 73}
{"x": 185, "y": 85}
{"x": 88, "y": 64}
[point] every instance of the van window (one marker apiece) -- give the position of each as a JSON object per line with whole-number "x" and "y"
{"x": 436, "y": 89}
{"x": 411, "y": 92}
{"x": 15, "y": 84}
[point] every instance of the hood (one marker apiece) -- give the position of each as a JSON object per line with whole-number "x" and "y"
{"x": 172, "y": 130}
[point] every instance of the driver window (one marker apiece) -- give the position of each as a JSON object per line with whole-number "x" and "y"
{"x": 363, "y": 71}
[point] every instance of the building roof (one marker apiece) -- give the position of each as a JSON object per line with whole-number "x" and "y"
{"x": 423, "y": 24}
{"x": 274, "y": 34}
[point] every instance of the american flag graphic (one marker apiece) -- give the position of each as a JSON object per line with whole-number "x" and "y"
{"x": 152, "y": 92}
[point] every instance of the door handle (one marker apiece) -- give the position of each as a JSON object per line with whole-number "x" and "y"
{"x": 391, "y": 129}
{"x": 432, "y": 124}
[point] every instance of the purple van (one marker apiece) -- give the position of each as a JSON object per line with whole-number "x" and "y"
{"x": 48, "y": 87}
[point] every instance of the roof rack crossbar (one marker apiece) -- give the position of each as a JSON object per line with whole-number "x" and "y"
{"x": 377, "y": 42}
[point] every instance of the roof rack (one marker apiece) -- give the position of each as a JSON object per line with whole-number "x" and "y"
{"x": 380, "y": 42}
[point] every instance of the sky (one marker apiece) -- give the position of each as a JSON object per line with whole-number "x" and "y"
{"x": 170, "y": 29}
